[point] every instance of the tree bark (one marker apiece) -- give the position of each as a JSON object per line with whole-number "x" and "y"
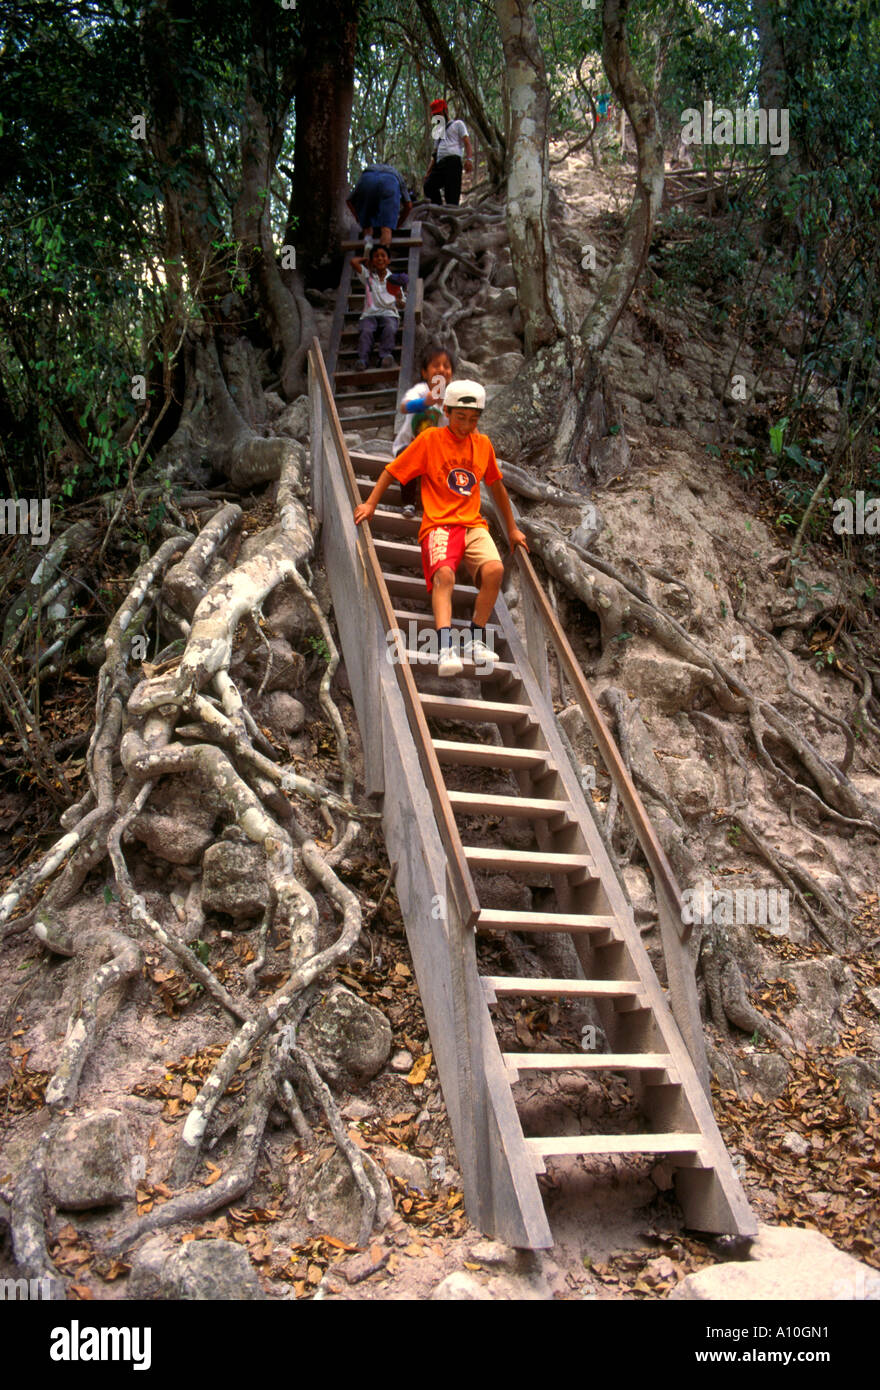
{"x": 324, "y": 97}
{"x": 539, "y": 292}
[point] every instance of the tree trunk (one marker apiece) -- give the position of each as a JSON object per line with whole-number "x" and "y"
{"x": 324, "y": 97}
{"x": 560, "y": 408}
{"x": 528, "y": 217}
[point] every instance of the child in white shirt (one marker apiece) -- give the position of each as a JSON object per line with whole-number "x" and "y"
{"x": 383, "y": 294}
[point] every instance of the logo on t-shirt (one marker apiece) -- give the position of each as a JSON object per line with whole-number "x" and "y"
{"x": 462, "y": 481}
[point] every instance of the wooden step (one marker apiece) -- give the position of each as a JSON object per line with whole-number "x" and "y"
{"x": 409, "y": 587}
{"x": 500, "y": 919}
{"x": 472, "y": 670}
{"x": 364, "y": 397}
{"x": 514, "y": 807}
{"x": 372, "y": 419}
{"x": 399, "y": 553}
{"x": 392, "y": 496}
{"x": 599, "y": 1145}
{"x": 426, "y": 619}
{"x": 368, "y": 465}
{"x": 491, "y": 755}
{"x": 388, "y": 523}
{"x": 395, "y": 243}
{"x": 350, "y": 376}
{"x": 517, "y": 1062}
{"x": 500, "y": 986}
{"x": 475, "y": 711}
{"x": 519, "y": 861}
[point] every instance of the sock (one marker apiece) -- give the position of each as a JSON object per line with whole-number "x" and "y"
{"x": 478, "y": 634}
{"x": 445, "y": 635}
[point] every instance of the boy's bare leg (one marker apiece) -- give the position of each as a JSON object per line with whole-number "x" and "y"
{"x": 385, "y": 236}
{"x": 489, "y": 577}
{"x": 443, "y": 584}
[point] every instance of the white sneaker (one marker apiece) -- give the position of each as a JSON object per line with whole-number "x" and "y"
{"x": 449, "y": 663}
{"x": 481, "y": 655}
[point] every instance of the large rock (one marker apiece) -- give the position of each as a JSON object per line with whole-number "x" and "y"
{"x": 88, "y": 1163}
{"x": 859, "y": 1083}
{"x": 281, "y": 713}
{"x": 177, "y": 827}
{"x": 331, "y": 1199}
{"x": 408, "y": 1167}
{"x": 822, "y": 984}
{"x": 784, "y": 1264}
{"x": 294, "y": 421}
{"x": 234, "y": 879}
{"x": 763, "y": 1072}
{"x": 459, "y": 1287}
{"x": 198, "y": 1271}
{"x": 693, "y": 787}
{"x": 663, "y": 683}
{"x": 348, "y": 1039}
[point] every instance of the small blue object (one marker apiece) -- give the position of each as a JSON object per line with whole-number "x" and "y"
{"x": 416, "y": 406}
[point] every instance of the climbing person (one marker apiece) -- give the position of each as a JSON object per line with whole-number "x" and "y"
{"x": 380, "y": 199}
{"x": 422, "y": 409}
{"x": 451, "y": 463}
{"x": 451, "y": 141}
{"x": 383, "y": 293}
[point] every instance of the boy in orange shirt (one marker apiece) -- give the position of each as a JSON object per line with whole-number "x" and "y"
{"x": 451, "y": 462}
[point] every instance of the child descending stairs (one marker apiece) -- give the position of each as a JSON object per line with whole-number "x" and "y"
{"x": 478, "y": 790}
{"x": 377, "y": 389}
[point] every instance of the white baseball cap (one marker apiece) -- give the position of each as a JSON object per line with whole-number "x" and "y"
{"x": 469, "y": 394}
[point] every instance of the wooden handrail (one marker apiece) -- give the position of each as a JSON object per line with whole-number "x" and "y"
{"x": 664, "y": 877}
{"x": 460, "y": 879}
{"x": 674, "y": 932}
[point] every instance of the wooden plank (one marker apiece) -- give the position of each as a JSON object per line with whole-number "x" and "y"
{"x": 414, "y": 240}
{"x": 372, "y": 419}
{"x": 513, "y": 861}
{"x": 350, "y": 376}
{"x": 399, "y": 553}
{"x": 472, "y": 670}
{"x": 407, "y": 586}
{"x": 500, "y": 919}
{"x": 426, "y": 619}
{"x": 488, "y": 755}
{"x": 476, "y": 711}
{"x": 513, "y": 807}
{"x": 501, "y": 986}
{"x": 517, "y": 1062}
{"x": 364, "y": 397}
{"x": 393, "y": 496}
{"x": 369, "y": 465}
{"x": 595, "y": 1145}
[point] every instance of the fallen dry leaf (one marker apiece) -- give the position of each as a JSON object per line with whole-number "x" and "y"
{"x": 420, "y": 1069}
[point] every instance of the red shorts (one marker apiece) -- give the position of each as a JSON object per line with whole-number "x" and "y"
{"x": 449, "y": 545}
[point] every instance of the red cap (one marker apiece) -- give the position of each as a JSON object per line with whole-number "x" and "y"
{"x": 438, "y": 106}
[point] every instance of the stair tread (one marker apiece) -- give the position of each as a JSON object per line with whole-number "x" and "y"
{"x": 500, "y": 919}
{"x": 489, "y": 754}
{"x": 407, "y": 615}
{"x": 586, "y": 1144}
{"x": 527, "y": 858}
{"x": 524, "y": 984}
{"x": 480, "y": 803}
{"x": 587, "y": 1061}
{"x": 473, "y": 670}
{"x": 481, "y": 711}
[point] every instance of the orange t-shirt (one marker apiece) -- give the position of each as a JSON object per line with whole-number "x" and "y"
{"x": 451, "y": 471}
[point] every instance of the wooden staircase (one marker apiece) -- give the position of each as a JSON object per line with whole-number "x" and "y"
{"x": 465, "y": 758}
